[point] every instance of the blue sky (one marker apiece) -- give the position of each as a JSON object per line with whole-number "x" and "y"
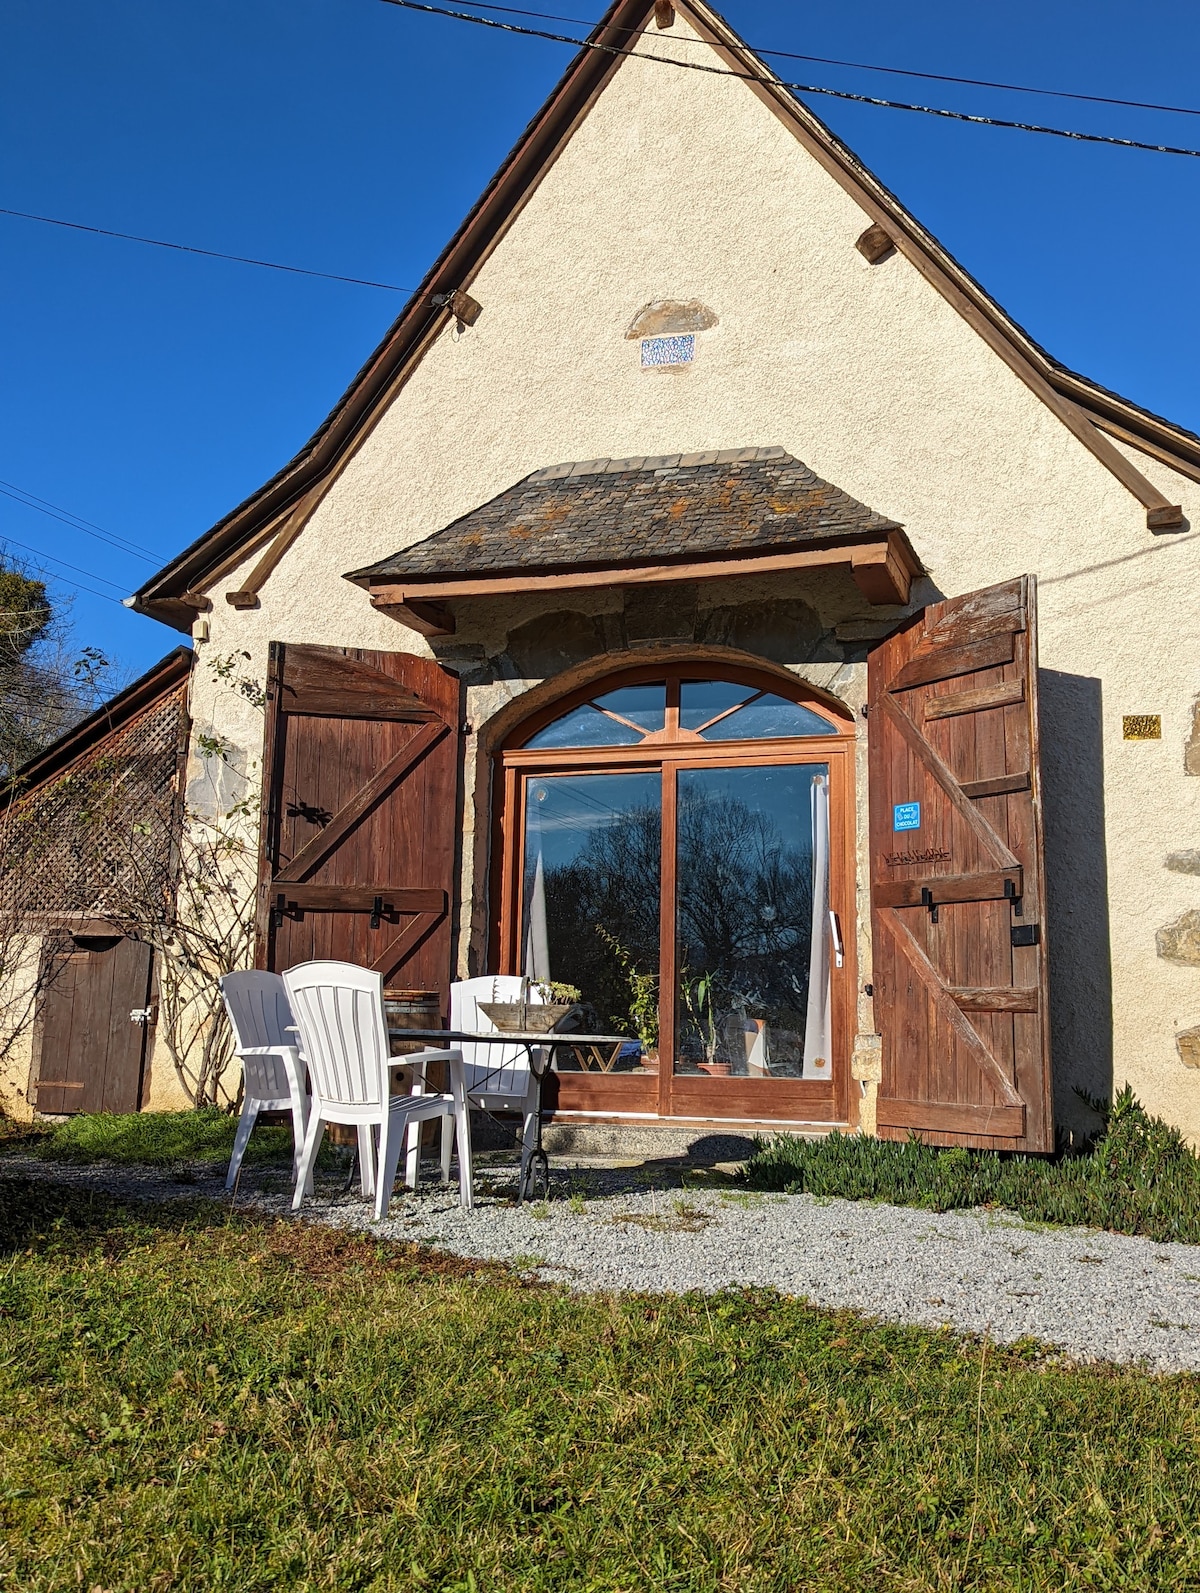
{"x": 149, "y": 392}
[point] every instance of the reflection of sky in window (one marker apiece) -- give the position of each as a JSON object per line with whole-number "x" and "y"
{"x": 575, "y": 806}
{"x": 782, "y": 793}
{"x": 645, "y": 705}
{"x": 702, "y": 700}
{"x": 769, "y": 716}
{"x": 584, "y": 727}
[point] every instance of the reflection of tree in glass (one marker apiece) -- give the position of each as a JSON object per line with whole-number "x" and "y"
{"x": 744, "y": 910}
{"x": 613, "y": 882}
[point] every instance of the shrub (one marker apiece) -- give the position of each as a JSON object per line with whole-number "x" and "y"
{"x": 1138, "y": 1176}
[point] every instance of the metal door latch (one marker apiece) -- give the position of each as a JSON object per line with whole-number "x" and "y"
{"x": 142, "y": 1015}
{"x": 928, "y": 901}
{"x": 376, "y": 912}
{"x": 277, "y": 911}
{"x": 1026, "y": 934}
{"x": 1010, "y": 895}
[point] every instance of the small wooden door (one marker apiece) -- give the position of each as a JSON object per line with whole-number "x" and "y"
{"x": 361, "y": 813}
{"x": 94, "y": 1022}
{"x": 960, "y": 969}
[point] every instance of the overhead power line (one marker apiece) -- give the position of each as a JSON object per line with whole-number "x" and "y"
{"x": 211, "y": 254}
{"x": 893, "y": 71}
{"x": 795, "y": 88}
{"x": 7, "y": 541}
{"x": 30, "y": 500}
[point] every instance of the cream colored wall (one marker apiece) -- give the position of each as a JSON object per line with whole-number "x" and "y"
{"x": 681, "y": 185}
{"x": 18, "y": 998}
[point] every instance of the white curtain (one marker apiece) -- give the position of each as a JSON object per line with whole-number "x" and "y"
{"x": 537, "y": 939}
{"x": 818, "y": 1029}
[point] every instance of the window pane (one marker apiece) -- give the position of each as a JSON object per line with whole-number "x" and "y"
{"x": 702, "y": 700}
{"x": 769, "y": 716}
{"x": 645, "y": 705}
{"x": 590, "y": 900}
{"x": 746, "y": 905}
{"x": 585, "y": 727}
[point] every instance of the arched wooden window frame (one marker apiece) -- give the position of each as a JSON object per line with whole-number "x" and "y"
{"x": 671, "y": 1094}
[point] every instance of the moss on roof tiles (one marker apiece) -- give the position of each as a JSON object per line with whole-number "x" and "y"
{"x": 658, "y": 509}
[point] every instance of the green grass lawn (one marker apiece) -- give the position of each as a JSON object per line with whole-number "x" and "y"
{"x": 1138, "y": 1177}
{"x": 149, "y": 1139}
{"x": 195, "y": 1400}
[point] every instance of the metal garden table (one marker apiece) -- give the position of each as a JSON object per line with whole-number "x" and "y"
{"x": 538, "y": 1168}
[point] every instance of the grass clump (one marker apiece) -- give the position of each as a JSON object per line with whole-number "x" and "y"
{"x": 193, "y": 1401}
{"x": 1137, "y": 1177}
{"x": 152, "y": 1139}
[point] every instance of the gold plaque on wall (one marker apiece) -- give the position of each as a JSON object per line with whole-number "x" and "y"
{"x": 1142, "y": 727}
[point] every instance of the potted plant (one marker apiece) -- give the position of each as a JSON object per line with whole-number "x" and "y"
{"x": 530, "y": 1017}
{"x": 643, "y": 999}
{"x": 699, "y": 997}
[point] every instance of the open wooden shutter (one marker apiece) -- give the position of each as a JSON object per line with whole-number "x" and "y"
{"x": 360, "y": 813}
{"x": 960, "y": 975}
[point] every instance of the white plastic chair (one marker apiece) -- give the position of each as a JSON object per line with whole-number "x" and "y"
{"x": 272, "y": 1073}
{"x": 339, "y": 1015}
{"x": 497, "y": 1077}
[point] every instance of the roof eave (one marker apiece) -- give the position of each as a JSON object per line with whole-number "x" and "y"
{"x": 419, "y": 321}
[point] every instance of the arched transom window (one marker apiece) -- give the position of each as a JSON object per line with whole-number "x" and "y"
{"x": 680, "y": 709}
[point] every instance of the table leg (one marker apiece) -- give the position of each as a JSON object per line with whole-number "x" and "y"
{"x": 535, "y": 1169}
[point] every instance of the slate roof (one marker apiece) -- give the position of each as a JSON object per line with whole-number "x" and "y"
{"x": 640, "y": 511}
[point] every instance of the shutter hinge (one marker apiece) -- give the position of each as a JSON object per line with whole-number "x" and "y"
{"x": 376, "y": 912}
{"x": 1026, "y": 934}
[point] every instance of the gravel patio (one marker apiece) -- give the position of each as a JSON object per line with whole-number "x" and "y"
{"x": 648, "y": 1227}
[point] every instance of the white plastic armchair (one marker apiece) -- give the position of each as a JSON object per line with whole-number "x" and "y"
{"x": 497, "y": 1078}
{"x": 272, "y": 1072}
{"x": 339, "y": 1016}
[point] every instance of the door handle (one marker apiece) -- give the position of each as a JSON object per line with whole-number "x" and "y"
{"x": 835, "y": 933}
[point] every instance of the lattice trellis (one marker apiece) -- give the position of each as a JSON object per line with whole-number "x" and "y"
{"x": 99, "y": 836}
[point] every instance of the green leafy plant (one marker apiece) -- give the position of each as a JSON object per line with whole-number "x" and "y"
{"x": 553, "y": 990}
{"x": 700, "y": 999}
{"x": 643, "y": 991}
{"x": 1138, "y": 1176}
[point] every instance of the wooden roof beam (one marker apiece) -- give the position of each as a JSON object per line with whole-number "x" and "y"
{"x": 884, "y": 571}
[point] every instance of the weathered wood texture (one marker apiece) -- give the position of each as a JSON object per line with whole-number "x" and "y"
{"x": 90, "y": 1055}
{"x": 963, "y": 1011}
{"x": 360, "y": 813}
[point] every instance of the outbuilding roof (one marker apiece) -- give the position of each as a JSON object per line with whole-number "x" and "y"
{"x": 642, "y": 510}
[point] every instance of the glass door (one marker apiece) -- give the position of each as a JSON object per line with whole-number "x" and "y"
{"x": 591, "y": 905}
{"x": 751, "y": 922}
{"x": 677, "y": 852}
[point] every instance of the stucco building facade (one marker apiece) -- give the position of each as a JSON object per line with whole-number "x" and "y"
{"x": 679, "y": 273}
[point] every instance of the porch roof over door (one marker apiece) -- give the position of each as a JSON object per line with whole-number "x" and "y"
{"x": 675, "y": 517}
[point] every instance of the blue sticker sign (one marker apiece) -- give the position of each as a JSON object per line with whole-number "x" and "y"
{"x": 906, "y": 816}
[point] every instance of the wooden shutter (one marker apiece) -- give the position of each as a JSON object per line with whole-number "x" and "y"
{"x": 360, "y": 813}
{"x": 957, "y": 875}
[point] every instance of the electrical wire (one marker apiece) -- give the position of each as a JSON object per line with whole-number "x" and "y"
{"x": 795, "y": 88}
{"x": 29, "y": 500}
{"x": 211, "y": 254}
{"x": 894, "y": 71}
{"x": 6, "y": 540}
